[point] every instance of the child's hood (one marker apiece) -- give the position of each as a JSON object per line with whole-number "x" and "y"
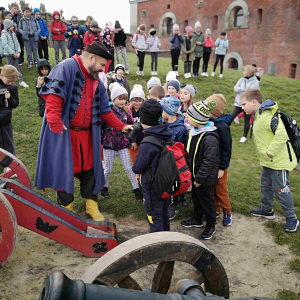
{"x": 161, "y": 131}
{"x": 224, "y": 118}
{"x": 43, "y": 62}
{"x": 56, "y": 12}
{"x": 269, "y": 104}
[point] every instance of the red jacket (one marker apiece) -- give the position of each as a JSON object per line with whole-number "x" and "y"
{"x": 57, "y": 35}
{"x": 89, "y": 38}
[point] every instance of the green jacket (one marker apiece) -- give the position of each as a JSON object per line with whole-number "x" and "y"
{"x": 199, "y": 49}
{"x": 269, "y": 143}
{"x": 184, "y": 52}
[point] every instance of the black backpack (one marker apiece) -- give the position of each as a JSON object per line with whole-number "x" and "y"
{"x": 292, "y": 131}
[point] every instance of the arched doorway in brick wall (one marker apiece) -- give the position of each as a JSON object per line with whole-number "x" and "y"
{"x": 166, "y": 23}
{"x": 233, "y": 60}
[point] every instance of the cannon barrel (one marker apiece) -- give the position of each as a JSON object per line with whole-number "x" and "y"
{"x": 58, "y": 286}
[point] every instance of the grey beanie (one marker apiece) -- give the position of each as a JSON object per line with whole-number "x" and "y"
{"x": 197, "y": 25}
{"x": 153, "y": 81}
{"x": 191, "y": 89}
{"x": 118, "y": 91}
{"x": 137, "y": 92}
{"x": 74, "y": 19}
{"x": 207, "y": 31}
{"x": 94, "y": 23}
{"x": 8, "y": 23}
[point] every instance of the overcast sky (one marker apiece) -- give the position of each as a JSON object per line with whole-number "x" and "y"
{"x": 101, "y": 10}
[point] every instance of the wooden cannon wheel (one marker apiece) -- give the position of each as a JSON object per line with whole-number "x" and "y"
{"x": 17, "y": 167}
{"x": 8, "y": 229}
{"x": 163, "y": 249}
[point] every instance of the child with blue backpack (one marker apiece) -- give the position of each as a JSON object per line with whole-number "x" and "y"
{"x": 43, "y": 37}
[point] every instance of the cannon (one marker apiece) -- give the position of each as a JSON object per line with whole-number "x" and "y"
{"x": 20, "y": 205}
{"x": 112, "y": 276}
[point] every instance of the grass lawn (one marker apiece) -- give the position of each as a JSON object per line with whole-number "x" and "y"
{"x": 244, "y": 171}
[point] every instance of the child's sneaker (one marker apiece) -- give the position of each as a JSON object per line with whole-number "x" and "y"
{"x": 227, "y": 218}
{"x": 186, "y": 75}
{"x": 177, "y": 74}
{"x": 142, "y": 73}
{"x": 36, "y": 63}
{"x": 173, "y": 211}
{"x": 104, "y": 192}
{"x": 30, "y": 65}
{"x": 212, "y": 74}
{"x": 206, "y": 75}
{"x": 236, "y": 120}
{"x": 218, "y": 214}
{"x": 138, "y": 195}
{"x": 138, "y": 72}
{"x": 203, "y": 74}
{"x": 291, "y": 225}
{"x": 184, "y": 201}
{"x": 221, "y": 76}
{"x": 243, "y": 139}
{"x": 259, "y": 212}
{"x": 192, "y": 222}
{"x": 207, "y": 233}
{"x": 23, "y": 84}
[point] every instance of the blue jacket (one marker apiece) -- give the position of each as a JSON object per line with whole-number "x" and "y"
{"x": 74, "y": 42}
{"x": 225, "y": 140}
{"x": 179, "y": 132}
{"x": 56, "y": 171}
{"x": 23, "y": 28}
{"x": 43, "y": 27}
{"x": 221, "y": 46}
{"x": 176, "y": 41}
{"x": 149, "y": 155}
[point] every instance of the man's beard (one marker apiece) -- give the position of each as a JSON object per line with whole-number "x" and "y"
{"x": 95, "y": 74}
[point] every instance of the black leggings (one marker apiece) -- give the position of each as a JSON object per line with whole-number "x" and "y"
{"x": 141, "y": 59}
{"x": 235, "y": 112}
{"x": 187, "y": 66}
{"x": 219, "y": 57}
{"x": 206, "y": 57}
{"x": 196, "y": 65}
{"x": 175, "y": 57}
{"x": 154, "y": 57}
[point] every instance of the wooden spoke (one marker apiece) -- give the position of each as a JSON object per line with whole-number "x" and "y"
{"x": 162, "y": 277}
{"x": 129, "y": 283}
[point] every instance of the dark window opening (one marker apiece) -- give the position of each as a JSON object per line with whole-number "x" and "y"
{"x": 186, "y": 23}
{"x": 152, "y": 26}
{"x": 169, "y": 26}
{"x": 233, "y": 64}
{"x": 239, "y": 18}
{"x": 215, "y": 22}
{"x": 259, "y": 15}
{"x": 293, "y": 70}
{"x": 169, "y": 6}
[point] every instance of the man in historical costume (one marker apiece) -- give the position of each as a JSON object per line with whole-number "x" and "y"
{"x": 70, "y": 142}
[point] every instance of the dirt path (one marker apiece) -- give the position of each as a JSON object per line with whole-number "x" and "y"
{"x": 255, "y": 265}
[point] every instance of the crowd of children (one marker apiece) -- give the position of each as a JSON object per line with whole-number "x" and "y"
{"x": 168, "y": 114}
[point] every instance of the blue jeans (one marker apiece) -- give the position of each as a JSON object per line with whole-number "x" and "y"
{"x": 31, "y": 48}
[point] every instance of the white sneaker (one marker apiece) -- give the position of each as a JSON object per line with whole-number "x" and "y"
{"x": 203, "y": 74}
{"x": 236, "y": 120}
{"x": 186, "y": 75}
{"x": 142, "y": 73}
{"x": 23, "y": 84}
{"x": 177, "y": 74}
{"x": 206, "y": 75}
{"x": 221, "y": 76}
{"x": 213, "y": 74}
{"x": 138, "y": 72}
{"x": 155, "y": 73}
{"x": 243, "y": 139}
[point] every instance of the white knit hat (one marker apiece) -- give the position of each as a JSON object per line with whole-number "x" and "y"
{"x": 117, "y": 91}
{"x": 171, "y": 76}
{"x": 153, "y": 81}
{"x": 137, "y": 92}
{"x": 197, "y": 25}
{"x": 112, "y": 85}
{"x": 207, "y": 31}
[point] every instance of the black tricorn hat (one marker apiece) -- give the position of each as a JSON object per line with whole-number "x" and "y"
{"x": 99, "y": 49}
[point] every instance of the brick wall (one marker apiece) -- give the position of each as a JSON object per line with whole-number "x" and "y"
{"x": 275, "y": 39}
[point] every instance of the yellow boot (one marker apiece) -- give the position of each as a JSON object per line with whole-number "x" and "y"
{"x": 93, "y": 210}
{"x": 69, "y": 207}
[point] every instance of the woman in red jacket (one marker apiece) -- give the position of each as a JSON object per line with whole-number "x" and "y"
{"x": 92, "y": 34}
{"x": 58, "y": 28}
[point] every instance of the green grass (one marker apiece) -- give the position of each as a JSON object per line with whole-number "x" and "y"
{"x": 244, "y": 171}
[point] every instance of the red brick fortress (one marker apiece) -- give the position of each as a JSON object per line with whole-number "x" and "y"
{"x": 259, "y": 31}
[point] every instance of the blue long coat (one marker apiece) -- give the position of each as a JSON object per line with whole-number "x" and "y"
{"x": 55, "y": 163}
